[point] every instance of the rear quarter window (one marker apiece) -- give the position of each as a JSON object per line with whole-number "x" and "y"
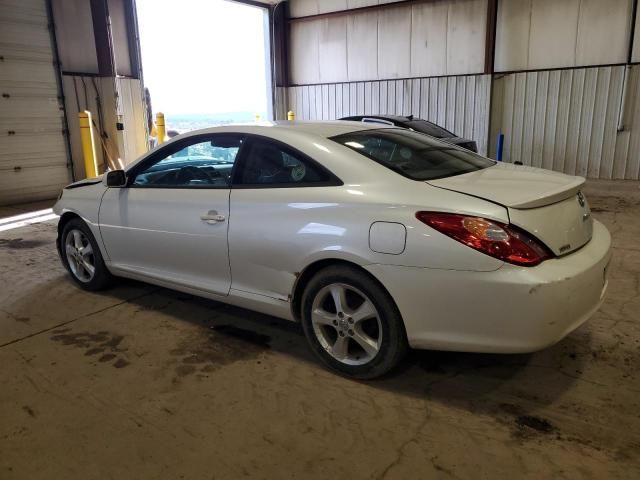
{"x": 413, "y": 154}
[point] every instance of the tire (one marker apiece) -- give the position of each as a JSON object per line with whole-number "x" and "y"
{"x": 77, "y": 257}
{"x": 354, "y": 339}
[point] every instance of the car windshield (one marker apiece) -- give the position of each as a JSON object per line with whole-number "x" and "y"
{"x": 429, "y": 128}
{"x": 412, "y": 154}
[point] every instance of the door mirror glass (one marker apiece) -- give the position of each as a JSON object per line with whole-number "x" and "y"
{"x": 116, "y": 179}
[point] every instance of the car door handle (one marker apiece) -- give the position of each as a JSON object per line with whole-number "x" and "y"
{"x": 213, "y": 217}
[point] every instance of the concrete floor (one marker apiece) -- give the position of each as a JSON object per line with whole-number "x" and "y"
{"x": 142, "y": 382}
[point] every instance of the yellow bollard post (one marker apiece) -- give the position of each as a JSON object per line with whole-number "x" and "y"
{"x": 160, "y": 129}
{"x": 88, "y": 144}
{"x": 291, "y": 116}
{"x": 258, "y": 118}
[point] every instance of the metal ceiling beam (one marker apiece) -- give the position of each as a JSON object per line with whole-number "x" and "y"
{"x": 633, "y": 30}
{"x": 133, "y": 37}
{"x": 102, "y": 35}
{"x": 490, "y": 38}
{"x": 255, "y": 3}
{"x": 280, "y": 43}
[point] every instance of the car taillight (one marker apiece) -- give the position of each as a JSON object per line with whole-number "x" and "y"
{"x": 505, "y": 242}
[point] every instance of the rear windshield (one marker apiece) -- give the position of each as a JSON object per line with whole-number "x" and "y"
{"x": 429, "y": 128}
{"x": 412, "y": 154}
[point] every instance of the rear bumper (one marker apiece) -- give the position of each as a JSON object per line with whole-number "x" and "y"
{"x": 510, "y": 310}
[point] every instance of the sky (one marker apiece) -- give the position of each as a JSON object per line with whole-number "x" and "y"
{"x": 203, "y": 56}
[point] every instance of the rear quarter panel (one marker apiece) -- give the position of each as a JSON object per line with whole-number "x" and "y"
{"x": 275, "y": 233}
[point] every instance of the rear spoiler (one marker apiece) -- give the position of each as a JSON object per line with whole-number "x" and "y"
{"x": 554, "y": 196}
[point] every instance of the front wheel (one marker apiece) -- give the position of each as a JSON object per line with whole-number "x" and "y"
{"x": 352, "y": 323}
{"x": 81, "y": 256}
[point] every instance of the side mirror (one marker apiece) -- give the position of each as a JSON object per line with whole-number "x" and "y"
{"x": 116, "y": 179}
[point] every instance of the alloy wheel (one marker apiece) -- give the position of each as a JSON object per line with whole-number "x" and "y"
{"x": 80, "y": 257}
{"x": 347, "y": 324}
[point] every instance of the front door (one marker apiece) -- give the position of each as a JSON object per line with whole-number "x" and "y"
{"x": 171, "y": 221}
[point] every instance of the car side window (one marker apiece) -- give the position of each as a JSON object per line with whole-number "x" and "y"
{"x": 206, "y": 163}
{"x": 272, "y": 164}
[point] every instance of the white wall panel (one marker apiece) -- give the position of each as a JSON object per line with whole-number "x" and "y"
{"x": 305, "y": 40}
{"x": 325, "y": 6}
{"x": 303, "y": 8}
{"x": 541, "y": 34}
{"x": 74, "y": 30}
{"x": 361, "y": 3}
{"x": 466, "y": 27}
{"x": 362, "y": 46}
{"x": 512, "y": 35}
{"x": 567, "y": 120}
{"x": 446, "y": 37}
{"x": 332, "y": 51}
{"x": 394, "y": 43}
{"x": 603, "y": 32}
{"x": 429, "y": 39}
{"x": 553, "y": 31}
{"x": 457, "y": 103}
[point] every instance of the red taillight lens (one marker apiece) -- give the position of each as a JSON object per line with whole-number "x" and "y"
{"x": 496, "y": 239}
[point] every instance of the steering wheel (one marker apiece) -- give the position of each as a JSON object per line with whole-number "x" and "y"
{"x": 190, "y": 173}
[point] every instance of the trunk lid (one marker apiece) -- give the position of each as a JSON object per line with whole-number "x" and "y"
{"x": 547, "y": 204}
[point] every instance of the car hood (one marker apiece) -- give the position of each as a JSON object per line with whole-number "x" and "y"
{"x": 514, "y": 186}
{"x": 85, "y": 182}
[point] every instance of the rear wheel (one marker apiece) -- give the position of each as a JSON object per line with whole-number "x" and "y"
{"x": 82, "y": 258}
{"x": 352, "y": 324}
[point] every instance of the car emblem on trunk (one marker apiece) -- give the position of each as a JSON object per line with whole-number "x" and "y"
{"x": 581, "y": 199}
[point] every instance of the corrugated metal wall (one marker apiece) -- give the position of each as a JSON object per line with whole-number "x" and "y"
{"x": 131, "y": 111}
{"x": 81, "y": 93}
{"x": 567, "y": 120}
{"x": 459, "y": 103}
{"x": 563, "y": 120}
{"x": 121, "y": 101}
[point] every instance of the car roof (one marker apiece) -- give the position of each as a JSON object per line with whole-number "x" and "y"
{"x": 325, "y": 129}
{"x": 393, "y": 118}
{"x": 409, "y": 121}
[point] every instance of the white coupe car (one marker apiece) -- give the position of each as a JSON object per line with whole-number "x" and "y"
{"x": 375, "y": 238}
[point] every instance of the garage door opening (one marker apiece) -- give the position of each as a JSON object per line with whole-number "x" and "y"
{"x": 205, "y": 62}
